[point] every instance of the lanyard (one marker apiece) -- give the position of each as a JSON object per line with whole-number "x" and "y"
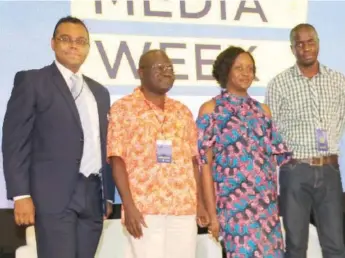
{"x": 157, "y": 117}
{"x": 316, "y": 102}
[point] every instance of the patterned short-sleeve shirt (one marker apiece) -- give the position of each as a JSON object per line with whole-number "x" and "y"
{"x": 135, "y": 124}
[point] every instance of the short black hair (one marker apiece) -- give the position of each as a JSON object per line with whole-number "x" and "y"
{"x": 69, "y": 19}
{"x": 301, "y": 26}
{"x": 224, "y": 62}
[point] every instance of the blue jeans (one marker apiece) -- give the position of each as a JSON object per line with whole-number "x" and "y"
{"x": 305, "y": 188}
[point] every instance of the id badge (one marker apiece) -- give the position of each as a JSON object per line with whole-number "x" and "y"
{"x": 321, "y": 140}
{"x": 164, "y": 151}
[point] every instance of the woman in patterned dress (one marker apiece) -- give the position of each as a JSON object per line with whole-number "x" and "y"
{"x": 240, "y": 150}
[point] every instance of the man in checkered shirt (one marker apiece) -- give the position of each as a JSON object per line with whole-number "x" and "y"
{"x": 307, "y": 102}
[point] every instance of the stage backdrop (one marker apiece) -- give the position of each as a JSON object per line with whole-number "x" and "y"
{"x": 192, "y": 32}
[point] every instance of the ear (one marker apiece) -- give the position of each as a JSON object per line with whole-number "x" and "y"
{"x": 140, "y": 73}
{"x": 292, "y": 49}
{"x": 52, "y": 44}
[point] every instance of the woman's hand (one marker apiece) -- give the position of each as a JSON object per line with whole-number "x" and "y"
{"x": 214, "y": 227}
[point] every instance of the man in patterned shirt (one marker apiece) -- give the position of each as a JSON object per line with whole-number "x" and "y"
{"x": 308, "y": 105}
{"x": 152, "y": 147}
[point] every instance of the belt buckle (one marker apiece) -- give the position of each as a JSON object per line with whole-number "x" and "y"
{"x": 317, "y": 164}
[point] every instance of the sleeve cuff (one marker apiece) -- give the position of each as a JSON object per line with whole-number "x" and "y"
{"x": 16, "y": 198}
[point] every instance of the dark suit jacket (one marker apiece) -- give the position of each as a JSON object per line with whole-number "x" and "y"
{"x": 42, "y": 140}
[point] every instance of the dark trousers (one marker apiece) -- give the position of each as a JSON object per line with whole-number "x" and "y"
{"x": 75, "y": 232}
{"x": 305, "y": 189}
{"x": 344, "y": 215}
{"x": 312, "y": 220}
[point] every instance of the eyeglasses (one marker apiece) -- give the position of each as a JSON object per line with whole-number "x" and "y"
{"x": 68, "y": 40}
{"x": 161, "y": 68}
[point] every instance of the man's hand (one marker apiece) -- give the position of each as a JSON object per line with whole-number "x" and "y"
{"x": 202, "y": 216}
{"x": 109, "y": 210}
{"x": 24, "y": 211}
{"x": 134, "y": 221}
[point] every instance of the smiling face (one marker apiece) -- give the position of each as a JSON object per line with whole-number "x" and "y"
{"x": 241, "y": 74}
{"x": 71, "y": 45}
{"x": 157, "y": 73}
{"x": 305, "y": 46}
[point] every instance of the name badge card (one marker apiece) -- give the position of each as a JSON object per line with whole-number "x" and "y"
{"x": 321, "y": 140}
{"x": 164, "y": 151}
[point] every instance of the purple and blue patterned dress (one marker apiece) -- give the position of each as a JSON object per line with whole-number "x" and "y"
{"x": 247, "y": 149}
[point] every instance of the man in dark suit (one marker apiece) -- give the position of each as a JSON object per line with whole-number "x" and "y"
{"x": 54, "y": 139}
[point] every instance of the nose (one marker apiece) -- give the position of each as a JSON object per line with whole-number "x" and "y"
{"x": 306, "y": 48}
{"x": 73, "y": 45}
{"x": 246, "y": 71}
{"x": 167, "y": 73}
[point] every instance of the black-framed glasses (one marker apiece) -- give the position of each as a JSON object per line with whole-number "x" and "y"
{"x": 68, "y": 40}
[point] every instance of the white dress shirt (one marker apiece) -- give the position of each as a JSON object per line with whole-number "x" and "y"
{"x": 94, "y": 117}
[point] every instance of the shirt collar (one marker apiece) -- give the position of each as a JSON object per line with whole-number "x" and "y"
{"x": 297, "y": 72}
{"x": 66, "y": 73}
{"x": 138, "y": 94}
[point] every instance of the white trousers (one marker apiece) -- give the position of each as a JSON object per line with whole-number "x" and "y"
{"x": 164, "y": 237}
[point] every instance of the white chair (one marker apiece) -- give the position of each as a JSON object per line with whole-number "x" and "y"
{"x": 29, "y": 250}
{"x": 314, "y": 249}
{"x": 207, "y": 247}
{"x": 113, "y": 243}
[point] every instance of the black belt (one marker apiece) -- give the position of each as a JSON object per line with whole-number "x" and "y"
{"x": 91, "y": 177}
